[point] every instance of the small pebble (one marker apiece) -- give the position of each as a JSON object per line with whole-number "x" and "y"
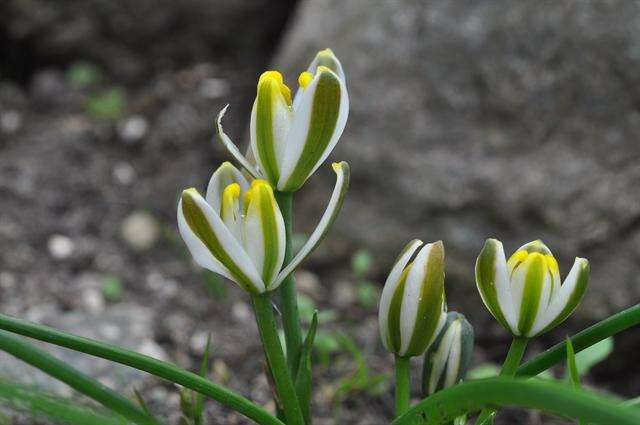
{"x": 240, "y": 311}
{"x": 214, "y": 88}
{"x": 140, "y": 230}
{"x": 60, "y": 247}
{"x": 123, "y": 173}
{"x": 10, "y": 121}
{"x": 132, "y": 129}
{"x": 92, "y": 300}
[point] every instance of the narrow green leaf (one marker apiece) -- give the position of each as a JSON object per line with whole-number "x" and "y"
{"x": 574, "y": 376}
{"x": 551, "y": 397}
{"x": 77, "y": 380}
{"x": 572, "y": 368}
{"x": 140, "y": 400}
{"x": 26, "y": 399}
{"x": 303, "y": 377}
{"x": 583, "y": 339}
{"x": 198, "y": 404}
{"x": 139, "y": 361}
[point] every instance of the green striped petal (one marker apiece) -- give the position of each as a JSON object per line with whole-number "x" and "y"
{"x": 264, "y": 231}
{"x": 330, "y": 214}
{"x": 324, "y": 58}
{"x": 211, "y": 243}
{"x": 527, "y": 285}
{"x": 318, "y": 122}
{"x": 448, "y": 358}
{"x": 271, "y": 118}
{"x": 568, "y": 297}
{"x": 391, "y": 298}
{"x": 493, "y": 283}
{"x": 423, "y": 304}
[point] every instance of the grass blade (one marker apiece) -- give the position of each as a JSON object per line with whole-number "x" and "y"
{"x": 139, "y": 361}
{"x": 552, "y": 397}
{"x": 74, "y": 378}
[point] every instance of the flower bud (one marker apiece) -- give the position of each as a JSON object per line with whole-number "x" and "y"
{"x": 412, "y": 306}
{"x": 525, "y": 294}
{"x": 446, "y": 361}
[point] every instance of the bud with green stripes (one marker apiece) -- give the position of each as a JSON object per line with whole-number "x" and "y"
{"x": 412, "y": 306}
{"x": 292, "y": 136}
{"x": 237, "y": 229}
{"x": 448, "y": 358}
{"x": 525, "y": 293}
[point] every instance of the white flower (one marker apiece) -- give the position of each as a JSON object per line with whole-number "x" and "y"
{"x": 292, "y": 137}
{"x": 238, "y": 231}
{"x": 524, "y": 294}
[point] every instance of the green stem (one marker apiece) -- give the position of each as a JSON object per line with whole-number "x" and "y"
{"x": 139, "y": 361}
{"x": 583, "y": 339}
{"x": 509, "y": 367}
{"x": 514, "y": 356}
{"x": 287, "y": 290}
{"x": 403, "y": 385}
{"x": 277, "y": 363}
{"x": 549, "y": 396}
{"x": 74, "y": 378}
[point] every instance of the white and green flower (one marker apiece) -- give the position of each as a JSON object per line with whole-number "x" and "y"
{"x": 525, "y": 294}
{"x": 448, "y": 358}
{"x": 412, "y": 306}
{"x": 292, "y": 137}
{"x": 238, "y": 231}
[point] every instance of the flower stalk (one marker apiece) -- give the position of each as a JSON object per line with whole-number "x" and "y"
{"x": 275, "y": 357}
{"x": 287, "y": 291}
{"x": 403, "y": 384}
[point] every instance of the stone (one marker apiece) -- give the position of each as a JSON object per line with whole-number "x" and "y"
{"x": 132, "y": 129}
{"x": 140, "y": 231}
{"x": 60, "y": 247}
{"x": 469, "y": 120}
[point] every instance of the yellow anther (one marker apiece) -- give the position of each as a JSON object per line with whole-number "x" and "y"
{"x": 304, "y": 79}
{"x": 230, "y": 200}
{"x": 552, "y": 263}
{"x": 517, "y": 258}
{"x": 271, "y": 75}
{"x": 275, "y": 78}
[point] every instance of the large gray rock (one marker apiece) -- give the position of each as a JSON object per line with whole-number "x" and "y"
{"x": 517, "y": 120}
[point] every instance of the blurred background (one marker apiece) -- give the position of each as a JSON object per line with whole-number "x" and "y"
{"x": 469, "y": 119}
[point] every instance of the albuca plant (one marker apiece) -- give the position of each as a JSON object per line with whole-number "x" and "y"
{"x": 242, "y": 229}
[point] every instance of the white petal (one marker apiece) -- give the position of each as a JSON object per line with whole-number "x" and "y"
{"x": 257, "y": 237}
{"x": 412, "y": 297}
{"x": 562, "y": 298}
{"x": 231, "y": 147}
{"x": 281, "y": 123}
{"x": 297, "y": 135}
{"x": 453, "y": 360}
{"x": 441, "y": 357}
{"x": 392, "y": 283}
{"x": 313, "y": 66}
{"x": 229, "y": 244}
{"x": 198, "y": 250}
{"x": 220, "y": 179}
{"x": 329, "y": 216}
{"x": 504, "y": 288}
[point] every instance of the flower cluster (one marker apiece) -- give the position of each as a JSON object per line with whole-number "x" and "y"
{"x": 237, "y": 229}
